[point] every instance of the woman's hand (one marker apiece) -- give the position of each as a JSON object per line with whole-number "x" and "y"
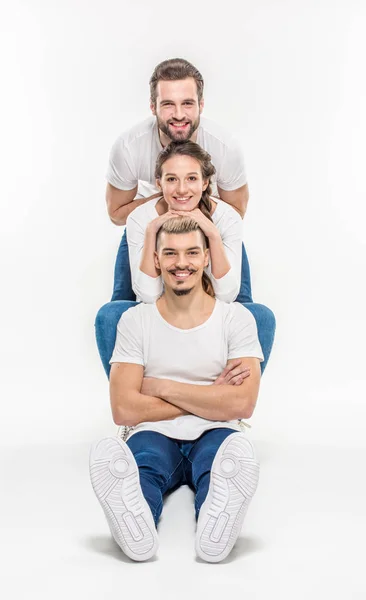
{"x": 154, "y": 225}
{"x": 208, "y": 227}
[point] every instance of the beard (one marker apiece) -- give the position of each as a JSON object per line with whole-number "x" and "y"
{"x": 179, "y": 292}
{"x": 177, "y": 136}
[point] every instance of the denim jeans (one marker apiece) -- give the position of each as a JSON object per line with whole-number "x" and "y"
{"x": 109, "y": 315}
{"x": 165, "y": 464}
{"x": 122, "y": 288}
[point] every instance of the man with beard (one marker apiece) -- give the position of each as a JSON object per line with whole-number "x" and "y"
{"x": 184, "y": 370}
{"x": 176, "y": 102}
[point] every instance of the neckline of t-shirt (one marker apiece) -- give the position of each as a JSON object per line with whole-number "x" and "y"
{"x": 192, "y": 329}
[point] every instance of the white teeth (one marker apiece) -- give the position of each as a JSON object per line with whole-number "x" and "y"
{"x": 182, "y": 275}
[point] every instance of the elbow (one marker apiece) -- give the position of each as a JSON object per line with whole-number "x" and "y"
{"x": 145, "y": 298}
{"x": 246, "y": 409}
{"x": 122, "y": 416}
{"x": 116, "y": 221}
{"x": 116, "y": 218}
{"x": 229, "y": 296}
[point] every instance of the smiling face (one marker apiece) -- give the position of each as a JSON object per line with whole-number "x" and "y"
{"x": 181, "y": 258}
{"x": 177, "y": 110}
{"x": 181, "y": 182}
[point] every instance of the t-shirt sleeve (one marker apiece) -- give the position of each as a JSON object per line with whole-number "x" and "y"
{"x": 147, "y": 289}
{"x": 227, "y": 287}
{"x": 231, "y": 174}
{"x": 129, "y": 343}
{"x": 243, "y": 339}
{"x": 121, "y": 171}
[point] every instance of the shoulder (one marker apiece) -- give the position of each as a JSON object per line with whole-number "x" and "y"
{"x": 215, "y": 135}
{"x": 138, "y": 134}
{"x": 142, "y": 214}
{"x": 234, "y": 313}
{"x": 135, "y": 316}
{"x": 224, "y": 213}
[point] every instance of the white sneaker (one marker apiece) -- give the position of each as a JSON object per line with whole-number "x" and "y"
{"x": 115, "y": 478}
{"x": 234, "y": 479}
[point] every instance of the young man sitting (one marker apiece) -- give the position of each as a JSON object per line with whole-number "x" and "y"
{"x": 185, "y": 370}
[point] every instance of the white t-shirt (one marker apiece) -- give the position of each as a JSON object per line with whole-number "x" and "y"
{"x": 134, "y": 153}
{"x": 228, "y": 222}
{"x": 196, "y": 356}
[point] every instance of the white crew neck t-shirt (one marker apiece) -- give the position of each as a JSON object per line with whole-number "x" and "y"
{"x": 133, "y": 157}
{"x": 230, "y": 226}
{"x": 196, "y": 356}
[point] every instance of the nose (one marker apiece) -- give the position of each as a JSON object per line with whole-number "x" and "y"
{"x": 178, "y": 112}
{"x": 181, "y": 264}
{"x": 182, "y": 187}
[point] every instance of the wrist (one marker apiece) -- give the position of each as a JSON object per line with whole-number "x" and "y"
{"x": 164, "y": 388}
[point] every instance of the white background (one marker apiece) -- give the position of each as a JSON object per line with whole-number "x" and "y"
{"x": 289, "y": 78}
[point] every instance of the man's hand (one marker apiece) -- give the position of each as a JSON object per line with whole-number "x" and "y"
{"x": 233, "y": 374}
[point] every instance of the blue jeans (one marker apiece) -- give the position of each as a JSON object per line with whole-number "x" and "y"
{"x": 165, "y": 464}
{"x": 122, "y": 287}
{"x": 109, "y": 315}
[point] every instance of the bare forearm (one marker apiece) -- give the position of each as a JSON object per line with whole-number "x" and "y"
{"x": 220, "y": 265}
{"x": 119, "y": 215}
{"x": 137, "y": 408}
{"x": 147, "y": 264}
{"x": 222, "y": 402}
{"x": 238, "y": 199}
{"x": 119, "y": 210}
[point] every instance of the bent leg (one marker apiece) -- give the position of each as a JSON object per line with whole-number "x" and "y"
{"x": 266, "y": 325}
{"x": 200, "y": 461}
{"x": 233, "y": 480}
{"x": 160, "y": 464}
{"x": 245, "y": 292}
{"x": 122, "y": 286}
{"x": 106, "y": 329}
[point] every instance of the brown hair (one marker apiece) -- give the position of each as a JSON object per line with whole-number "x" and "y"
{"x": 180, "y": 225}
{"x": 175, "y": 69}
{"x": 195, "y": 151}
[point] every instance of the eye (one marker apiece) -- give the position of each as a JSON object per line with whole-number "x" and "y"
{"x": 192, "y": 178}
{"x": 168, "y": 253}
{"x": 193, "y": 252}
{"x": 170, "y": 179}
{"x": 188, "y": 103}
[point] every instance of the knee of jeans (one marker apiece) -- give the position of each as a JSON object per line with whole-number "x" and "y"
{"x": 105, "y": 315}
{"x": 264, "y": 315}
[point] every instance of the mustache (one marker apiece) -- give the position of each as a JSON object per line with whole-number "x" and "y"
{"x": 189, "y": 269}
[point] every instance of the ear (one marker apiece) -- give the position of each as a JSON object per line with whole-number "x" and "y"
{"x": 207, "y": 257}
{"x": 202, "y": 104}
{"x": 205, "y": 184}
{"x": 158, "y": 184}
{"x": 156, "y": 261}
{"x": 153, "y": 108}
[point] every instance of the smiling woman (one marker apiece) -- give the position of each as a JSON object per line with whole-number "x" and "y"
{"x": 183, "y": 172}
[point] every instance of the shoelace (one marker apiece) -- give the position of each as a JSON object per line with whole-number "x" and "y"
{"x": 123, "y": 432}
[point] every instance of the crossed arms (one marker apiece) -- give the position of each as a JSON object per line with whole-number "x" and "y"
{"x": 135, "y": 399}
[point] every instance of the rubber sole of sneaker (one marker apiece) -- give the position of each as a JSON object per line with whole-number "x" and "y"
{"x": 233, "y": 482}
{"x": 115, "y": 479}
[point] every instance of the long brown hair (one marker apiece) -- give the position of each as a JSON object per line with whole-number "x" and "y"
{"x": 195, "y": 151}
{"x": 186, "y": 225}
